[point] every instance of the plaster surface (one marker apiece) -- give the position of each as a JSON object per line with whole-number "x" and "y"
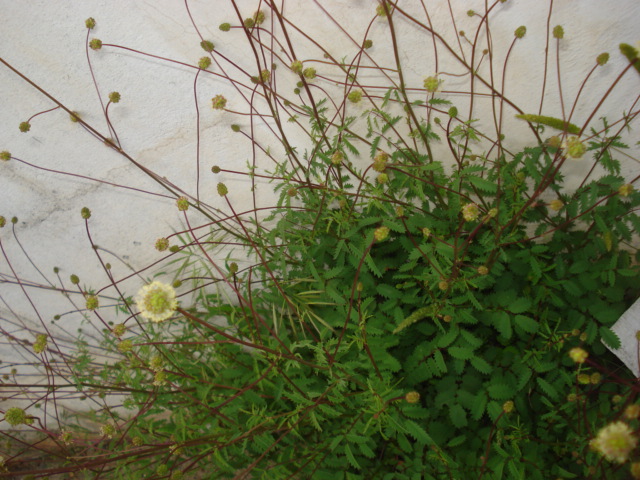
{"x": 157, "y": 122}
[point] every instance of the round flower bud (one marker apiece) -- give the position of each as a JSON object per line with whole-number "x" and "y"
{"x": 578, "y": 355}
{"x": 602, "y": 59}
{"x": 16, "y": 416}
{"x": 74, "y": 279}
{"x": 412, "y": 397}
{"x": 14, "y": 220}
{"x": 215, "y": 169}
{"x": 90, "y": 23}
{"x": 584, "y": 379}
{"x": 218, "y": 102}
{"x": 176, "y": 283}
{"x": 470, "y": 13}
{"x": 85, "y": 213}
{"x": 626, "y": 190}
{"x": 249, "y": 23}
{"x": 572, "y": 397}
{"x": 470, "y": 212}
{"x": 114, "y": 97}
{"x": 4, "y": 155}
{"x": 447, "y": 318}
{"x": 108, "y": 430}
{"x": 574, "y": 147}
{"x": 399, "y": 211}
{"x": 508, "y": 406}
{"x": 520, "y": 31}
{"x": 74, "y": 117}
{"x": 380, "y": 161}
{"x": 157, "y": 301}
{"x": 207, "y": 46}
{"x": 3, "y": 221}
{"x": 265, "y": 76}
{"x": 632, "y": 412}
{"x": 40, "y": 344}
{"x": 309, "y": 73}
{"x": 95, "y": 44}
{"x": 259, "y": 17}
{"x": 174, "y": 248}
{"x": 297, "y": 67}
{"x": 183, "y": 204}
{"x": 337, "y": 157}
{"x": 482, "y": 270}
{"x": 162, "y": 244}
{"x": 367, "y": 44}
{"x": 595, "y": 378}
{"x": 558, "y": 32}
{"x": 204, "y": 63}
{"x": 443, "y": 285}
{"x": 222, "y": 189}
{"x": 235, "y": 128}
{"x": 426, "y": 232}
{"x": 556, "y": 205}
{"x": 432, "y": 84}
{"x": 381, "y": 233}
{"x": 292, "y": 192}
{"x": 615, "y": 442}
{"x": 125, "y": 346}
{"x": 225, "y": 27}
{"x": 554, "y": 142}
{"x": 355, "y": 96}
{"x": 24, "y": 127}
{"x": 233, "y": 268}
{"x": 119, "y": 330}
{"x": 160, "y": 379}
{"x": 92, "y": 302}
{"x": 382, "y": 178}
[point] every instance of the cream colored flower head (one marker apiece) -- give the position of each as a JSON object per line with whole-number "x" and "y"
{"x": 615, "y": 442}
{"x": 157, "y": 301}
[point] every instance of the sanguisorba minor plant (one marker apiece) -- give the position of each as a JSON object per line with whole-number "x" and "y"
{"x": 425, "y": 298}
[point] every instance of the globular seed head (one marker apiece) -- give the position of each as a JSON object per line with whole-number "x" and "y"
{"x": 297, "y": 67}
{"x": 367, "y": 44}
{"x": 218, "y": 102}
{"x": 5, "y": 155}
{"x": 92, "y": 302}
{"x": 215, "y": 169}
{"x": 381, "y": 233}
{"x": 114, "y": 97}
{"x": 24, "y": 127}
{"x": 90, "y": 23}
{"x": 412, "y": 397}
{"x": 74, "y": 279}
{"x": 309, "y": 73}
{"x": 162, "y": 244}
{"x": 183, "y": 204}
{"x": 235, "y": 128}
{"x": 85, "y": 213}
{"x": 222, "y": 189}
{"x": 95, "y": 44}
{"x": 225, "y": 27}
{"x": 204, "y": 63}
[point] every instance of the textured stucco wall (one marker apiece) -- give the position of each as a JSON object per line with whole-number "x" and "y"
{"x": 156, "y": 121}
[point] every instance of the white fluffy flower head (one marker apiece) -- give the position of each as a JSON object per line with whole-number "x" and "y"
{"x": 157, "y": 301}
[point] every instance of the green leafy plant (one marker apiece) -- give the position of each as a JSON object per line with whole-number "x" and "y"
{"x": 423, "y": 299}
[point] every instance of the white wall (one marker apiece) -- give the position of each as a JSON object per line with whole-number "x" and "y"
{"x": 156, "y": 121}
